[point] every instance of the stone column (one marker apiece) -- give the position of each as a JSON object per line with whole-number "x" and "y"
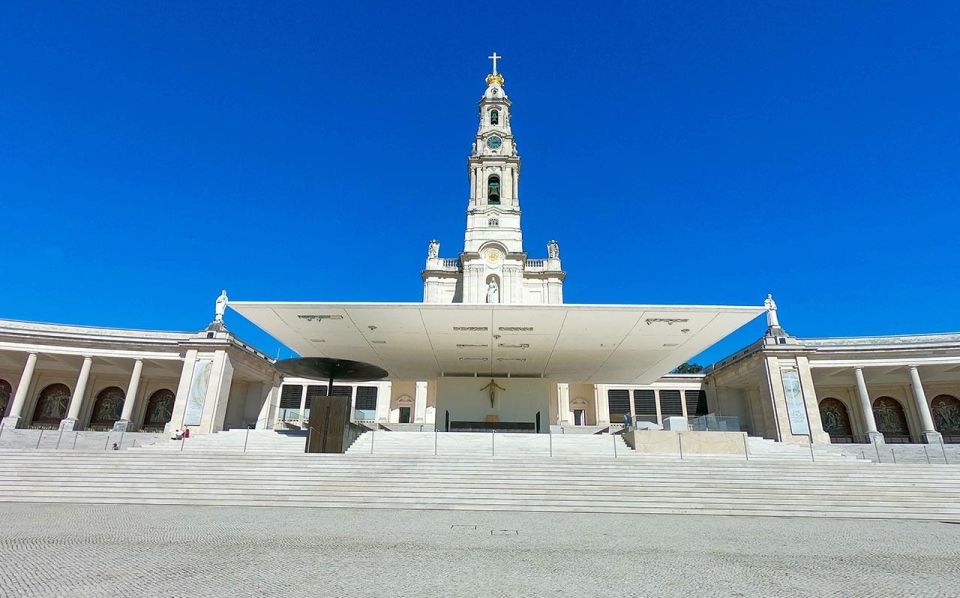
{"x": 867, "y": 408}
{"x": 384, "y": 396}
{"x": 20, "y": 398}
{"x": 76, "y": 400}
{"x": 303, "y": 401}
{"x": 123, "y": 424}
{"x": 603, "y": 408}
{"x": 656, "y": 401}
{"x": 930, "y": 434}
{"x": 563, "y": 396}
{"x": 420, "y": 402}
{"x": 353, "y": 403}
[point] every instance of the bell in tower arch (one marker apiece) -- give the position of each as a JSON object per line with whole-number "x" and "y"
{"x": 493, "y": 190}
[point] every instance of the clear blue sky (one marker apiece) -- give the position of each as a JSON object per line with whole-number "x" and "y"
{"x": 680, "y": 152}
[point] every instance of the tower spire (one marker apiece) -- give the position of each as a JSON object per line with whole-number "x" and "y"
{"x": 494, "y": 57}
{"x": 495, "y": 77}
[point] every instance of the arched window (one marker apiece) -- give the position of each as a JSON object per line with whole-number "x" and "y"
{"x": 836, "y": 420}
{"x": 891, "y": 420}
{"x": 160, "y": 409}
{"x": 946, "y": 417}
{"x": 493, "y": 190}
{"x": 108, "y": 407}
{"x": 52, "y": 404}
{"x": 5, "y": 391}
{"x": 494, "y": 117}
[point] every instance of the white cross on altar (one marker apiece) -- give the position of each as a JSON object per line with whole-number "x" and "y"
{"x": 494, "y": 57}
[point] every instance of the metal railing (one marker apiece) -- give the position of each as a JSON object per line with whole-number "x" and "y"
{"x": 55, "y": 439}
{"x": 496, "y": 447}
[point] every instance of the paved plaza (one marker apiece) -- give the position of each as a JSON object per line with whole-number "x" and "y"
{"x": 125, "y": 550}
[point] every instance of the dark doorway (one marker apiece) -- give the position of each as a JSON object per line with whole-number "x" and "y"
{"x": 579, "y": 417}
{"x": 404, "y": 415}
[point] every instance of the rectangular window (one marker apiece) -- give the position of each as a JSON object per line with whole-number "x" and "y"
{"x": 290, "y": 396}
{"x": 367, "y": 398}
{"x": 618, "y": 401}
{"x": 696, "y": 402}
{"x": 645, "y": 405}
{"x": 315, "y": 390}
{"x": 670, "y": 403}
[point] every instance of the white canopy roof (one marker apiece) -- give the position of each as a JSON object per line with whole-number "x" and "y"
{"x": 622, "y": 344}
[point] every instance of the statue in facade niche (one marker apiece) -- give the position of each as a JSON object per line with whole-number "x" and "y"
{"x": 553, "y": 250}
{"x": 433, "y": 250}
{"x": 493, "y": 292}
{"x": 221, "y": 307}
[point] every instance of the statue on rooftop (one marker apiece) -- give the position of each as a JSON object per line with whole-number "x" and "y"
{"x": 553, "y": 250}
{"x": 433, "y": 250}
{"x": 772, "y": 320}
{"x": 221, "y": 307}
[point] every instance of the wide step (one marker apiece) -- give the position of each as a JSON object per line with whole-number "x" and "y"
{"x": 514, "y": 482}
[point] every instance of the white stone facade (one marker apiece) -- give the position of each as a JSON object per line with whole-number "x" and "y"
{"x": 81, "y": 377}
{"x": 893, "y": 389}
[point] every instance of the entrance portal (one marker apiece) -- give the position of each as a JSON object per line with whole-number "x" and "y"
{"x": 404, "y": 415}
{"x": 579, "y": 417}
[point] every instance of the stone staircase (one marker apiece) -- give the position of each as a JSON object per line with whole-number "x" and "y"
{"x": 232, "y": 441}
{"x": 897, "y": 453}
{"x": 407, "y": 427}
{"x": 765, "y": 449}
{"x": 595, "y": 484}
{"x": 479, "y": 444}
{"x": 564, "y": 430}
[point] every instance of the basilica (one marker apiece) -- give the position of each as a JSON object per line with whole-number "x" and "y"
{"x": 493, "y": 346}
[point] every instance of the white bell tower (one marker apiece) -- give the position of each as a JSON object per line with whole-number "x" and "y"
{"x": 493, "y": 212}
{"x": 493, "y": 267}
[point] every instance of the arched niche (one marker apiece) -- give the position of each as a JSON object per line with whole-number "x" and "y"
{"x": 836, "y": 420}
{"x": 891, "y": 420}
{"x": 159, "y": 409}
{"x": 945, "y": 410}
{"x": 51, "y": 405}
{"x": 107, "y": 408}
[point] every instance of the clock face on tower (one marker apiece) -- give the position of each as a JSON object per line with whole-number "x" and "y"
{"x": 493, "y": 142}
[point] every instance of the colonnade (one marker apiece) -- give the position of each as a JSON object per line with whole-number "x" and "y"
{"x": 929, "y": 432}
{"x": 16, "y": 413}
